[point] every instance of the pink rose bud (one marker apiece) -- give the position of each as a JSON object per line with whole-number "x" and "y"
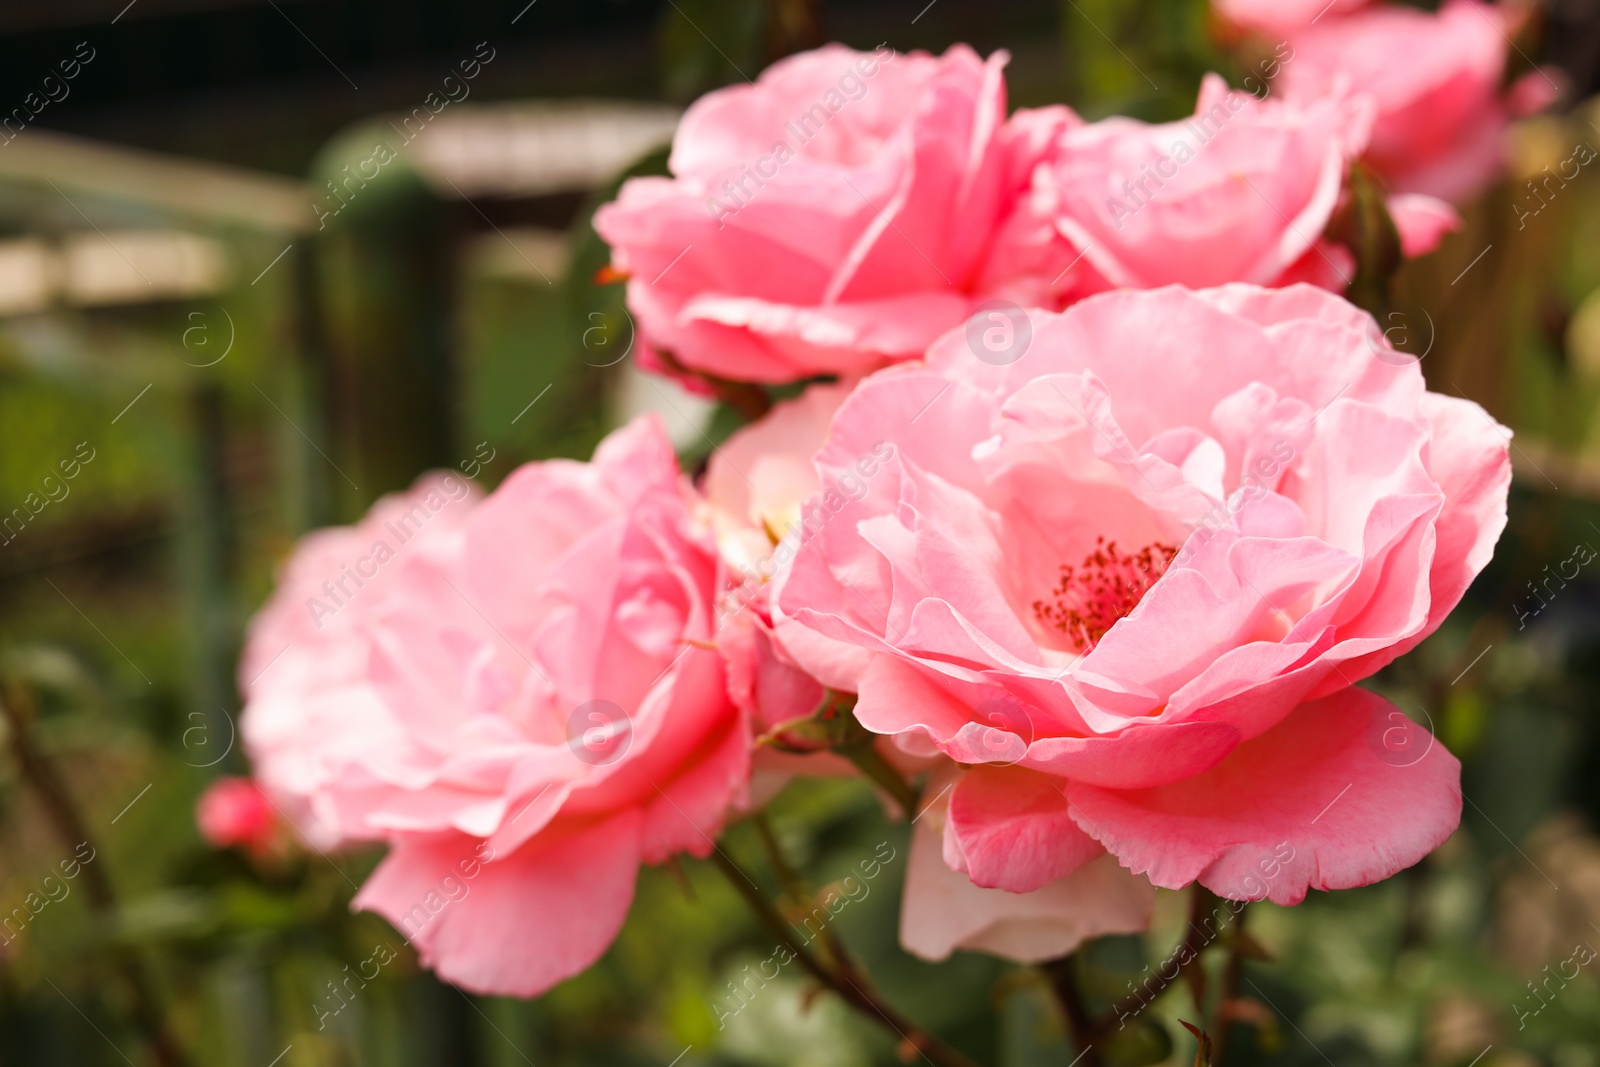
{"x": 234, "y": 813}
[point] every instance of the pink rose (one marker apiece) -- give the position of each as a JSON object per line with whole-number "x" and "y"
{"x": 1130, "y": 577}
{"x": 1240, "y": 192}
{"x": 828, "y": 219}
{"x": 233, "y": 812}
{"x": 1279, "y": 17}
{"x": 1436, "y": 82}
{"x": 538, "y": 711}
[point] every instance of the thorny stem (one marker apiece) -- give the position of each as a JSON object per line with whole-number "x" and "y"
{"x": 1232, "y": 973}
{"x": 17, "y": 710}
{"x": 844, "y": 978}
{"x": 798, "y": 893}
{"x": 1202, "y": 904}
{"x": 792, "y": 883}
{"x": 800, "y": 898}
{"x": 1084, "y": 1028}
{"x": 1090, "y": 1031}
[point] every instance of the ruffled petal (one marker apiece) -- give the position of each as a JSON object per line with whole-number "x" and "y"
{"x": 1345, "y": 792}
{"x": 519, "y": 924}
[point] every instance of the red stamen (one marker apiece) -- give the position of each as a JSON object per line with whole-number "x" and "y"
{"x": 1101, "y": 590}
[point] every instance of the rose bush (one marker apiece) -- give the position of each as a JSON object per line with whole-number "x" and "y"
{"x": 1131, "y": 577}
{"x": 1086, "y": 592}
{"x": 526, "y": 708}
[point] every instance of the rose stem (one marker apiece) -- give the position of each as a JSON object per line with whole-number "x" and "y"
{"x": 790, "y": 878}
{"x": 799, "y": 894}
{"x": 1232, "y": 973}
{"x": 839, "y": 979}
{"x": 1201, "y": 909}
{"x": 1063, "y": 975}
{"x": 870, "y": 762}
{"x": 1088, "y": 1031}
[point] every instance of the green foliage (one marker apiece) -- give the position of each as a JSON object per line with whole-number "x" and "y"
{"x": 1143, "y": 59}
{"x": 706, "y": 44}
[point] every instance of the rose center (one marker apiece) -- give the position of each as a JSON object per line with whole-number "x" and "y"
{"x": 1107, "y": 585}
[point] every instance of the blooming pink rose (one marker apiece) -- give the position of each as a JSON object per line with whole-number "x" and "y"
{"x": 1279, "y": 17}
{"x": 828, "y": 219}
{"x": 1436, "y": 82}
{"x": 539, "y": 711}
{"x": 1240, "y": 192}
{"x": 1139, "y": 568}
{"x": 234, "y": 812}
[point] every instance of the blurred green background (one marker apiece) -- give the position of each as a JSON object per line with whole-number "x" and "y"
{"x": 236, "y": 342}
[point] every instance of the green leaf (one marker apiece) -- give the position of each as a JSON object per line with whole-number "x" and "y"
{"x": 706, "y": 44}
